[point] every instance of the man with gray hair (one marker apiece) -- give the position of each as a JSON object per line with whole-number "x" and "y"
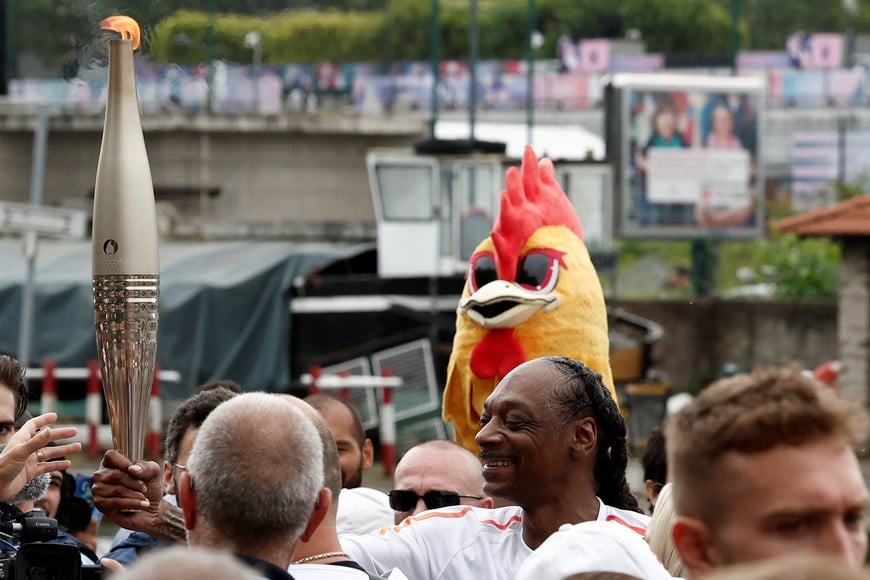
{"x": 254, "y": 482}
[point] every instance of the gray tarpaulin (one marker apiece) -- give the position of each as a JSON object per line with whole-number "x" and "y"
{"x": 223, "y": 306}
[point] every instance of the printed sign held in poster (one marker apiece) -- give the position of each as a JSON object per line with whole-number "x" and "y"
{"x": 718, "y": 178}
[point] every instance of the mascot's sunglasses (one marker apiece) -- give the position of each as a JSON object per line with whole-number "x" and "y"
{"x": 404, "y": 500}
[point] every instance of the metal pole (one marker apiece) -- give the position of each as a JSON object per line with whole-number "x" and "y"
{"x": 705, "y": 262}
{"x": 210, "y": 51}
{"x": 37, "y": 180}
{"x": 852, "y": 10}
{"x": 735, "y": 34}
{"x": 473, "y": 57}
{"x": 841, "y": 149}
{"x": 204, "y": 173}
{"x": 435, "y": 44}
{"x": 705, "y": 252}
{"x": 530, "y": 71}
{"x": 6, "y": 8}
{"x": 257, "y": 62}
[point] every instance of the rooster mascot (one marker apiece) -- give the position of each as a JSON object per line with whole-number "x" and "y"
{"x": 530, "y": 291}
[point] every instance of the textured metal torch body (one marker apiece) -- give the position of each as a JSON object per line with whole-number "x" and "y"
{"x": 125, "y": 317}
{"x": 125, "y": 265}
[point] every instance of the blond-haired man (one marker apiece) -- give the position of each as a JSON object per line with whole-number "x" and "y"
{"x": 763, "y": 465}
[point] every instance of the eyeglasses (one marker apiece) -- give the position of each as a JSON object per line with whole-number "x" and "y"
{"x": 404, "y": 500}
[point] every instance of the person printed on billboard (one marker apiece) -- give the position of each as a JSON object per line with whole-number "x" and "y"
{"x": 722, "y": 136}
{"x": 665, "y": 123}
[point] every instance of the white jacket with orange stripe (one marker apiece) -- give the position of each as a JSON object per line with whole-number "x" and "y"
{"x": 459, "y": 543}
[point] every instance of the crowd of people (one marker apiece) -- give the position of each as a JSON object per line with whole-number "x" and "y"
{"x": 758, "y": 477}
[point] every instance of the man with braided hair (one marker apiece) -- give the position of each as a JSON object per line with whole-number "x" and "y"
{"x": 552, "y": 442}
{"x": 582, "y": 396}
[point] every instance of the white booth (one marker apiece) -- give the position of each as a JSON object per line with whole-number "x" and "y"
{"x": 433, "y": 210}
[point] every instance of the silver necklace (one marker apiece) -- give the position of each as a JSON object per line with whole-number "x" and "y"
{"x": 322, "y": 556}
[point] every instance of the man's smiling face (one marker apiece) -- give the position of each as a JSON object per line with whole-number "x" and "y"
{"x": 521, "y": 438}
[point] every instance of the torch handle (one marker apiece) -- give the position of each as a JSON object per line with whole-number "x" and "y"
{"x": 125, "y": 318}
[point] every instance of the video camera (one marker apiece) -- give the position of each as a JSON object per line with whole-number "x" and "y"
{"x": 25, "y": 556}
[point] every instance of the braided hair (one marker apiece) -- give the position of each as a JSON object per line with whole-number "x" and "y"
{"x": 581, "y": 394}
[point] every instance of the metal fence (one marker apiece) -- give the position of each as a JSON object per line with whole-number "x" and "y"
{"x": 370, "y": 89}
{"x": 416, "y": 404}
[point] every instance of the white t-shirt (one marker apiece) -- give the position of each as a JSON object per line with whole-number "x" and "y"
{"x": 459, "y": 542}
{"x": 321, "y": 571}
{"x": 327, "y": 572}
{"x": 363, "y": 510}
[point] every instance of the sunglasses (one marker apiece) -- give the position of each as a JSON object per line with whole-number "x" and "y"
{"x": 404, "y": 500}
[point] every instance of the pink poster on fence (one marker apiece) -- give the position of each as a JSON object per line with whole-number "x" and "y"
{"x": 595, "y": 55}
{"x": 815, "y": 50}
{"x": 826, "y": 50}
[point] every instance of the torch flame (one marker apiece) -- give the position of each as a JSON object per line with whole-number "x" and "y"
{"x": 123, "y": 25}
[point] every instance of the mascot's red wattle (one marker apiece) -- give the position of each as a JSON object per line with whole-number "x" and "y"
{"x": 530, "y": 291}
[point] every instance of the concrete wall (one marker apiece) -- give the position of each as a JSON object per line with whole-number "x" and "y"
{"x": 854, "y": 338}
{"x": 304, "y": 168}
{"x": 700, "y": 336}
{"x": 307, "y": 170}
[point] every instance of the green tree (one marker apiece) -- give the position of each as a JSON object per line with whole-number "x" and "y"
{"x": 581, "y": 18}
{"x": 801, "y": 268}
{"x": 578, "y": 19}
{"x": 58, "y": 33}
{"x": 408, "y": 24}
{"x": 680, "y": 26}
{"x": 49, "y": 33}
{"x": 768, "y": 23}
{"x": 290, "y": 37}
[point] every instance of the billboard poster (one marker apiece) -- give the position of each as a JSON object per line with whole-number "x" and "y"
{"x": 587, "y": 56}
{"x": 815, "y": 164}
{"x": 815, "y": 50}
{"x": 689, "y": 163}
{"x": 819, "y": 159}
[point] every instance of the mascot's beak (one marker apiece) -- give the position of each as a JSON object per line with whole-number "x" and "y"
{"x": 501, "y": 304}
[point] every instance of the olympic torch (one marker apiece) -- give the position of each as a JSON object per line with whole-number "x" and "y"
{"x": 126, "y": 275}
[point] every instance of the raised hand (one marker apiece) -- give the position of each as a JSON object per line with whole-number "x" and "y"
{"x": 26, "y": 455}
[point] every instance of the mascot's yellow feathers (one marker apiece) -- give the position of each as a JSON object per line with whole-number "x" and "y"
{"x": 531, "y": 291}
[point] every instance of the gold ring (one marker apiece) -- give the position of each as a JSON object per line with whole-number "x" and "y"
{"x": 40, "y": 457}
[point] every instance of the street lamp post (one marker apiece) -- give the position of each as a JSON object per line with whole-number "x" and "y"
{"x": 735, "y": 34}
{"x": 254, "y": 41}
{"x": 474, "y": 56}
{"x": 435, "y": 45}
{"x": 211, "y": 52}
{"x": 852, "y": 10}
{"x": 534, "y": 41}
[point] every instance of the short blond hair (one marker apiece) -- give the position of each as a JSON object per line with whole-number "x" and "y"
{"x": 659, "y": 534}
{"x": 751, "y": 413}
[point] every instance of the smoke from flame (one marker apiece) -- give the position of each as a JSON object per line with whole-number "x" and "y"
{"x": 123, "y": 25}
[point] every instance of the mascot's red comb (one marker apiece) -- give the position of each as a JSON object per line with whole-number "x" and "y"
{"x": 532, "y": 198}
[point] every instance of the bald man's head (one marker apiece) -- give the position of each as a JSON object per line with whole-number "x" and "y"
{"x": 437, "y": 465}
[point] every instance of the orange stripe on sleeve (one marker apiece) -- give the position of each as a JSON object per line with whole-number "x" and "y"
{"x": 424, "y": 516}
{"x": 618, "y": 520}
{"x": 448, "y": 515}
